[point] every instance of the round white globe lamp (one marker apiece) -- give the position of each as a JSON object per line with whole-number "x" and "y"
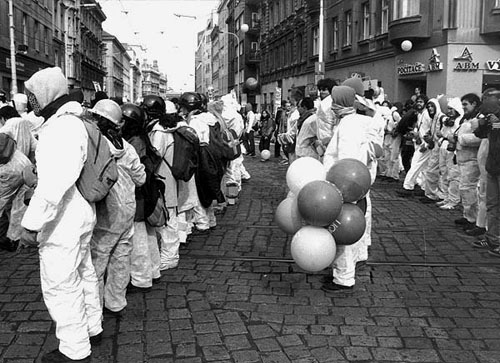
{"x": 406, "y": 45}
{"x": 244, "y": 28}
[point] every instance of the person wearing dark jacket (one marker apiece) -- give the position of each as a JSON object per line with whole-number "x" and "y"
{"x": 489, "y": 126}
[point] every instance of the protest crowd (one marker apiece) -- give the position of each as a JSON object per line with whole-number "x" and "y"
{"x": 108, "y": 192}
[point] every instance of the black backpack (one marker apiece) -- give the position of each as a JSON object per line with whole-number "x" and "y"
{"x": 186, "y": 153}
{"x": 155, "y": 211}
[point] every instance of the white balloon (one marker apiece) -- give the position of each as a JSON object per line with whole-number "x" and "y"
{"x": 406, "y": 45}
{"x": 265, "y": 154}
{"x": 313, "y": 248}
{"x": 303, "y": 171}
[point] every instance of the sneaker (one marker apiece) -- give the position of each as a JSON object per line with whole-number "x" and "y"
{"x": 462, "y": 221}
{"x": 405, "y": 193}
{"x": 495, "y": 252}
{"x": 419, "y": 192}
{"x": 168, "y": 266}
{"x": 245, "y": 180}
{"x": 332, "y": 286}
{"x": 132, "y": 289}
{"x": 447, "y": 206}
{"x": 441, "y": 203}
{"x": 482, "y": 243}
{"x": 57, "y": 357}
{"x": 475, "y": 231}
{"x": 283, "y": 162}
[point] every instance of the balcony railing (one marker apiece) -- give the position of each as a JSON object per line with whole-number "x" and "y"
{"x": 254, "y": 56}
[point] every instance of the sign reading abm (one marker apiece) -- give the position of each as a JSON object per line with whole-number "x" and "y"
{"x": 465, "y": 62}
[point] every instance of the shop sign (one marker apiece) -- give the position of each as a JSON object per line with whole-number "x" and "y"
{"x": 493, "y": 65}
{"x": 434, "y": 62}
{"x": 465, "y": 62}
{"x": 414, "y": 68}
{"x": 19, "y": 65}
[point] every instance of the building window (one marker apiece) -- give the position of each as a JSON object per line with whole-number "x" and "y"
{"x": 25, "y": 29}
{"x": 450, "y": 17}
{"x": 282, "y": 55}
{"x": 404, "y": 8}
{"x": 384, "y": 19}
{"x": 299, "y": 47}
{"x": 497, "y": 4}
{"x": 348, "y": 28}
{"x": 366, "y": 21}
{"x": 241, "y": 47}
{"x": 290, "y": 52}
{"x": 37, "y": 36}
{"x": 283, "y": 9}
{"x": 45, "y": 40}
{"x": 315, "y": 40}
{"x": 255, "y": 20}
{"x": 271, "y": 16}
{"x": 335, "y": 35}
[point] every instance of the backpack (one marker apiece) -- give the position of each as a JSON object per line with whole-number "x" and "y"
{"x": 155, "y": 210}
{"x": 228, "y": 141}
{"x": 186, "y": 153}
{"x": 99, "y": 172}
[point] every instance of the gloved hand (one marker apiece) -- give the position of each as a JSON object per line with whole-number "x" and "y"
{"x": 28, "y": 239}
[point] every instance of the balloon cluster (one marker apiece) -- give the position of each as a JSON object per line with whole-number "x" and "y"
{"x": 323, "y": 209}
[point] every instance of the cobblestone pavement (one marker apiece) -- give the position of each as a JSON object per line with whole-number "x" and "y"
{"x": 425, "y": 295}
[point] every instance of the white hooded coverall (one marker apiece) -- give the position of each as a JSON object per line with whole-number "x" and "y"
{"x": 111, "y": 242}
{"x": 65, "y": 220}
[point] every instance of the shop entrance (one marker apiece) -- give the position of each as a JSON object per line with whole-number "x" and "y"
{"x": 491, "y": 81}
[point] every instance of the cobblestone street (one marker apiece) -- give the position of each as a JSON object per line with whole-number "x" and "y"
{"x": 425, "y": 294}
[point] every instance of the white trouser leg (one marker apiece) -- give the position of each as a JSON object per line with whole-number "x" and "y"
{"x": 418, "y": 164}
{"x": 141, "y": 274}
{"x": 200, "y": 217}
{"x": 70, "y": 291}
{"x": 118, "y": 273}
{"x": 169, "y": 254}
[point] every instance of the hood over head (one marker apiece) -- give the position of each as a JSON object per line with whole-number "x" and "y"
{"x": 456, "y": 104}
{"x": 7, "y": 148}
{"x": 47, "y": 85}
{"x": 356, "y": 84}
{"x": 343, "y": 96}
{"x": 437, "y": 105}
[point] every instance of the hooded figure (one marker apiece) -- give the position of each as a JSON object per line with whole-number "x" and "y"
{"x": 450, "y": 175}
{"x": 351, "y": 139}
{"x": 61, "y": 220}
{"x": 111, "y": 243}
{"x": 235, "y": 171}
{"x": 12, "y": 164}
{"x": 433, "y": 193}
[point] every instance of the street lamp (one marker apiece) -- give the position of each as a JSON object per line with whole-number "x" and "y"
{"x": 244, "y": 28}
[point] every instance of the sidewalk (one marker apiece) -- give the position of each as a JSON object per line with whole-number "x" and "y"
{"x": 425, "y": 295}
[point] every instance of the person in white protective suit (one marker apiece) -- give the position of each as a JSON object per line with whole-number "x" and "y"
{"x": 326, "y": 118}
{"x": 12, "y": 164}
{"x": 351, "y": 139}
{"x": 450, "y": 173}
{"x": 111, "y": 243}
{"x": 162, "y": 139}
{"x": 236, "y": 171}
{"x": 145, "y": 254}
{"x": 60, "y": 221}
{"x": 203, "y": 213}
{"x": 20, "y": 102}
{"x": 20, "y": 130}
{"x": 431, "y": 174}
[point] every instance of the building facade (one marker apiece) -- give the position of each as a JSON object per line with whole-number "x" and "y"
{"x": 150, "y": 78}
{"x": 91, "y": 49}
{"x": 454, "y": 45}
{"x": 117, "y": 66}
{"x": 34, "y": 48}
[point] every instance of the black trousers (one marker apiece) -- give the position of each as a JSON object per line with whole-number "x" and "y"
{"x": 249, "y": 143}
{"x": 265, "y": 143}
{"x": 407, "y": 152}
